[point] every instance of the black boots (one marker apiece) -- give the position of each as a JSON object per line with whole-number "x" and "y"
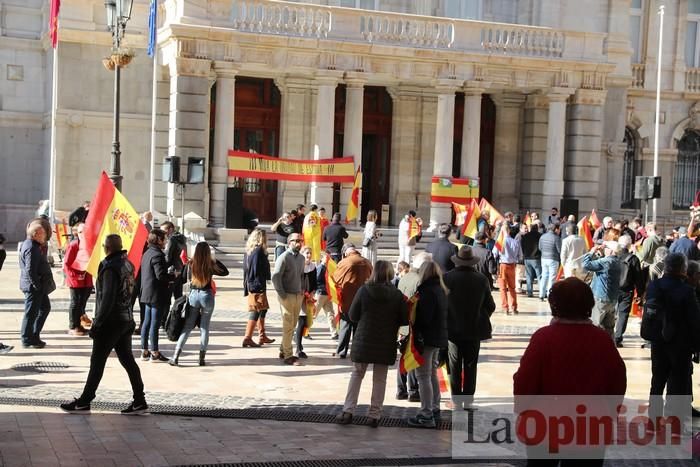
{"x": 202, "y": 353}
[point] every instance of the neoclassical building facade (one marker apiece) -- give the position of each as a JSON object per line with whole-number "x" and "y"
{"x": 541, "y": 100}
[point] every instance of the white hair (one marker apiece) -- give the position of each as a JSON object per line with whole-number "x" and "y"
{"x": 421, "y": 258}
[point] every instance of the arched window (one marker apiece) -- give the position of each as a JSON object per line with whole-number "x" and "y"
{"x": 628, "y": 169}
{"x": 686, "y": 176}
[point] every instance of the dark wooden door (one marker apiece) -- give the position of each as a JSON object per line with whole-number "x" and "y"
{"x": 257, "y": 126}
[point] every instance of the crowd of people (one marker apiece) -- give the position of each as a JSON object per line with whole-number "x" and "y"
{"x": 443, "y": 297}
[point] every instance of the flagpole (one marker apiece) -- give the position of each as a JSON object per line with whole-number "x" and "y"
{"x": 658, "y": 105}
{"x": 151, "y": 191}
{"x": 52, "y": 163}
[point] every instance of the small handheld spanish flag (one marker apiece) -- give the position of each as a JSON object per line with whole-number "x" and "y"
{"x": 411, "y": 358}
{"x": 354, "y": 204}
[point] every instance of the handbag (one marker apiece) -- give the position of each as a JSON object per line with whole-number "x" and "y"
{"x": 175, "y": 322}
{"x": 367, "y": 242}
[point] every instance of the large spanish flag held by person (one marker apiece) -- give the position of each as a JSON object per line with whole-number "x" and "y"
{"x": 460, "y": 213}
{"x": 501, "y": 238}
{"x": 331, "y": 287}
{"x": 584, "y": 231}
{"x": 111, "y": 213}
{"x": 411, "y": 357}
{"x": 470, "y": 227}
{"x": 354, "y": 204}
{"x": 494, "y": 215}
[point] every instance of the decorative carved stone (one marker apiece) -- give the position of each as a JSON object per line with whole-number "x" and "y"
{"x": 589, "y": 97}
{"x": 593, "y": 80}
{"x": 694, "y": 122}
{"x": 190, "y": 67}
{"x": 561, "y": 79}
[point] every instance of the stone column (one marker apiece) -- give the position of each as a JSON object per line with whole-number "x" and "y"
{"x": 444, "y": 145}
{"x": 223, "y": 139}
{"x": 471, "y": 130}
{"x": 296, "y": 128}
{"x": 582, "y": 172}
{"x": 188, "y": 133}
{"x": 534, "y": 149}
{"x": 404, "y": 184}
{"x": 322, "y": 194}
{"x": 506, "y": 157}
{"x": 352, "y": 130}
{"x": 553, "y": 185}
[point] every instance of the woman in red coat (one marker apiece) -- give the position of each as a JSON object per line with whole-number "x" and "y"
{"x": 570, "y": 356}
{"x": 79, "y": 281}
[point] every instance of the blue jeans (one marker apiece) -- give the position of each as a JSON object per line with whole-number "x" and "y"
{"x": 533, "y": 269}
{"x": 36, "y": 309}
{"x": 201, "y": 303}
{"x": 549, "y": 273}
{"x": 151, "y": 322}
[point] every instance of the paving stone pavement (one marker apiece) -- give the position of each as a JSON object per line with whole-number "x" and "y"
{"x": 242, "y": 391}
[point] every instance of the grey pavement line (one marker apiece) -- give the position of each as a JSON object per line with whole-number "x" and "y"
{"x": 396, "y": 461}
{"x": 206, "y": 405}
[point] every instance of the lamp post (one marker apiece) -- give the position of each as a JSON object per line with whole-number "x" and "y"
{"x": 118, "y": 14}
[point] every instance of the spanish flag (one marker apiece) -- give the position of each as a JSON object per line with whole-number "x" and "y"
{"x": 111, "y": 213}
{"x": 595, "y": 222}
{"x": 470, "y": 227}
{"x": 560, "y": 274}
{"x": 494, "y": 215}
{"x": 411, "y": 358}
{"x": 309, "y": 305}
{"x": 584, "y": 231}
{"x": 501, "y": 239}
{"x": 527, "y": 221}
{"x": 354, "y": 204}
{"x": 331, "y": 287}
{"x": 61, "y": 235}
{"x": 414, "y": 228}
{"x": 452, "y": 190}
{"x": 460, "y": 213}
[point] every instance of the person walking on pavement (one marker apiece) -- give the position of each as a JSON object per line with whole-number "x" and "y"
{"x": 431, "y": 329}
{"x": 199, "y": 272}
{"x": 550, "y": 248}
{"x": 78, "y": 281}
{"x": 155, "y": 294}
{"x": 36, "y": 281}
{"x": 287, "y": 278}
{"x": 407, "y": 383}
{"x": 351, "y": 274}
{"x": 470, "y": 306}
{"x": 377, "y": 310}
{"x": 256, "y": 273}
{"x": 631, "y": 280}
{"x": 573, "y": 247}
{"x": 112, "y": 329}
{"x": 605, "y": 283}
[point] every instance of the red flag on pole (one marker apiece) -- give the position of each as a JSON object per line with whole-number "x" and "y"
{"x": 53, "y": 22}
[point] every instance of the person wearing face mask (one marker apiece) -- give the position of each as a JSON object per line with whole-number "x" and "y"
{"x": 78, "y": 280}
{"x": 288, "y": 279}
{"x": 36, "y": 281}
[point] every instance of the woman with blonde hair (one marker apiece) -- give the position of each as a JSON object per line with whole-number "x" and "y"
{"x": 378, "y": 310}
{"x": 430, "y": 331}
{"x": 256, "y": 273}
{"x": 199, "y": 272}
{"x": 369, "y": 241}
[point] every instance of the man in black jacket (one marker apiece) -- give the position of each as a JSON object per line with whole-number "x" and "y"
{"x": 529, "y": 243}
{"x": 175, "y": 244}
{"x": 631, "y": 279}
{"x": 112, "y": 328}
{"x": 470, "y": 306}
{"x": 442, "y": 249}
{"x": 334, "y": 236}
{"x": 154, "y": 294}
{"x": 487, "y": 263}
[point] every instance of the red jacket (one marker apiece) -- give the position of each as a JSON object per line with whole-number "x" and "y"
{"x": 75, "y": 279}
{"x": 570, "y": 359}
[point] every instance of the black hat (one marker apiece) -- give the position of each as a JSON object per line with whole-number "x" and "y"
{"x": 465, "y": 257}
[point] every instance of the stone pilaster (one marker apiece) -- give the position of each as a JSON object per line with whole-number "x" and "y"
{"x": 582, "y": 171}
{"x": 406, "y": 132}
{"x": 188, "y": 133}
{"x": 534, "y": 152}
{"x": 444, "y": 144}
{"x": 352, "y": 129}
{"x": 553, "y": 186}
{"x": 223, "y": 139}
{"x": 506, "y": 157}
{"x": 296, "y": 128}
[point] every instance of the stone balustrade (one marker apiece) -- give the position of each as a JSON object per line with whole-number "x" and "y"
{"x": 692, "y": 80}
{"x": 281, "y": 18}
{"x": 517, "y": 40}
{"x": 638, "y": 71}
{"x": 386, "y": 28}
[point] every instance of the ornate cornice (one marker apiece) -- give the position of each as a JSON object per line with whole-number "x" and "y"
{"x": 180, "y": 66}
{"x": 589, "y": 97}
